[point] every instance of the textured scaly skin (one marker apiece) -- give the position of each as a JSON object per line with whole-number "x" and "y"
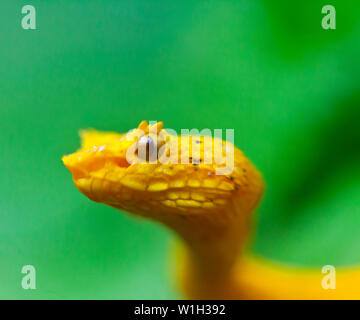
{"x": 211, "y": 214}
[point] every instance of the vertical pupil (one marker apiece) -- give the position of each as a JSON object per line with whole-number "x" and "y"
{"x": 148, "y": 141}
{"x": 151, "y": 151}
{"x": 147, "y": 149}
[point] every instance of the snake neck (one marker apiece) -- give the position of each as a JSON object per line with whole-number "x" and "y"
{"x": 211, "y": 243}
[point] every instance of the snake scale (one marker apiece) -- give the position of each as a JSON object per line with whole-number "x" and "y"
{"x": 211, "y": 215}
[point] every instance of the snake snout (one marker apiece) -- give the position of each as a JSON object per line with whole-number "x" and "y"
{"x": 82, "y": 164}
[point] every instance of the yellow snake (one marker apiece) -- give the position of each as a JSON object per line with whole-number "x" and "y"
{"x": 211, "y": 214}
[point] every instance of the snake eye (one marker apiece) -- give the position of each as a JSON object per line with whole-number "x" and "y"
{"x": 147, "y": 148}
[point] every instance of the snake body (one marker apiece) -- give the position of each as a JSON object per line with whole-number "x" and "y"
{"x": 210, "y": 213}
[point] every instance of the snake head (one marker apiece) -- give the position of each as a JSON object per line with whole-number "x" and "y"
{"x": 152, "y": 171}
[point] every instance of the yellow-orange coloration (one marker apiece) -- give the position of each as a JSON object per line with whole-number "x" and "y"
{"x": 211, "y": 214}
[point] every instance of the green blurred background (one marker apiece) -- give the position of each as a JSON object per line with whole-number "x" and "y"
{"x": 265, "y": 68}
